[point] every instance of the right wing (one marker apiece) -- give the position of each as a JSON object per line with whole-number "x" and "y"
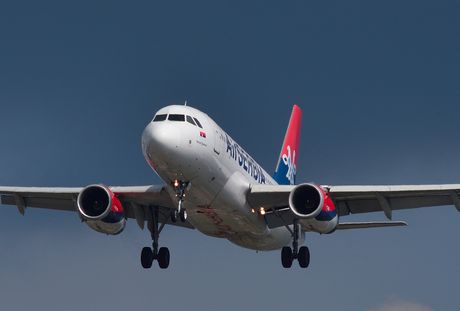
{"x": 136, "y": 201}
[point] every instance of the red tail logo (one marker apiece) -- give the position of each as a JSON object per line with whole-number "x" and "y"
{"x": 286, "y": 169}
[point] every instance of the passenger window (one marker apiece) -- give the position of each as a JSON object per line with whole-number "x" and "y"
{"x": 176, "y": 117}
{"x": 160, "y": 117}
{"x": 197, "y": 122}
{"x": 190, "y": 120}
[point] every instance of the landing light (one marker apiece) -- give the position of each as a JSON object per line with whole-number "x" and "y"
{"x": 176, "y": 183}
{"x": 262, "y": 211}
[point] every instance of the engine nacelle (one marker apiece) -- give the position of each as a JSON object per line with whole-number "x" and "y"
{"x": 306, "y": 201}
{"x": 102, "y": 211}
{"x": 315, "y": 209}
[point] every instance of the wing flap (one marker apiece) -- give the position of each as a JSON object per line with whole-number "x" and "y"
{"x": 370, "y": 224}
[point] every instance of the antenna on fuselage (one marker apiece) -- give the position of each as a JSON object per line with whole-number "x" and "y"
{"x": 185, "y": 104}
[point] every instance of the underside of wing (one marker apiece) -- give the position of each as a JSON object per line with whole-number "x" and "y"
{"x": 40, "y": 197}
{"x": 366, "y": 199}
{"x": 274, "y": 199}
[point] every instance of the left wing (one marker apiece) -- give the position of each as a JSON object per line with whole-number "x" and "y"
{"x": 360, "y": 199}
{"x": 136, "y": 200}
{"x": 366, "y": 199}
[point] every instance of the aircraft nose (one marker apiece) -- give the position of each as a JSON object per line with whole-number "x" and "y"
{"x": 159, "y": 142}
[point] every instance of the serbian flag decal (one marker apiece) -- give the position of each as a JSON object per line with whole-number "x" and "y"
{"x": 202, "y": 134}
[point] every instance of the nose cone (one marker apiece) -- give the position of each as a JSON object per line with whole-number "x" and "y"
{"x": 160, "y": 141}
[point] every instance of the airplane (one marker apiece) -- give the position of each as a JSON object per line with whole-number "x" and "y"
{"x": 213, "y": 185}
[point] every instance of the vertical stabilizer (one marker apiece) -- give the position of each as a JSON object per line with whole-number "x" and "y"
{"x": 286, "y": 169}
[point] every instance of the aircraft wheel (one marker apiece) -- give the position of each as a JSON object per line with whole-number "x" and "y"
{"x": 163, "y": 257}
{"x": 174, "y": 216}
{"x": 183, "y": 215}
{"x": 286, "y": 257}
{"x": 146, "y": 257}
{"x": 304, "y": 257}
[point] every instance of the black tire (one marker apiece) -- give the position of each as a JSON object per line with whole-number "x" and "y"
{"x": 163, "y": 257}
{"x": 304, "y": 257}
{"x": 183, "y": 215}
{"x": 146, "y": 257}
{"x": 174, "y": 216}
{"x": 286, "y": 257}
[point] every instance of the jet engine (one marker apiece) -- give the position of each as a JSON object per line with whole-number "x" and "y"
{"x": 101, "y": 210}
{"x": 315, "y": 209}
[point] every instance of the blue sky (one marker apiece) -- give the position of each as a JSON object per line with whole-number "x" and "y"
{"x": 379, "y": 87}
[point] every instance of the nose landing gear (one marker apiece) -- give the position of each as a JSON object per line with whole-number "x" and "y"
{"x": 180, "y": 212}
{"x": 302, "y": 254}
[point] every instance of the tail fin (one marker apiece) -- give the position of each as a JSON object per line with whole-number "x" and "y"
{"x": 286, "y": 169}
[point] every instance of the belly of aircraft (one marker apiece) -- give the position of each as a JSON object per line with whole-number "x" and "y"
{"x": 218, "y": 218}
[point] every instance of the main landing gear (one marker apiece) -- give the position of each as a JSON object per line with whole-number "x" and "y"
{"x": 180, "y": 212}
{"x": 148, "y": 255}
{"x": 302, "y": 254}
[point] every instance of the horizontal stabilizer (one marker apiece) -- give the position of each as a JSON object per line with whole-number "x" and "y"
{"x": 370, "y": 224}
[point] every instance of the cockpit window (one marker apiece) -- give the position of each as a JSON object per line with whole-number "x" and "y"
{"x": 198, "y": 122}
{"x": 190, "y": 120}
{"x": 176, "y": 117}
{"x": 160, "y": 117}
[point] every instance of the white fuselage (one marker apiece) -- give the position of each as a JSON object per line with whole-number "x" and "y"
{"x": 219, "y": 172}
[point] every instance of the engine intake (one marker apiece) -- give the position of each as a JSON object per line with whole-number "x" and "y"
{"x": 94, "y": 202}
{"x": 100, "y": 208}
{"x": 306, "y": 201}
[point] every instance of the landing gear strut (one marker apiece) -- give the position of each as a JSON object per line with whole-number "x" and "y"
{"x": 302, "y": 254}
{"x": 180, "y": 212}
{"x": 148, "y": 255}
